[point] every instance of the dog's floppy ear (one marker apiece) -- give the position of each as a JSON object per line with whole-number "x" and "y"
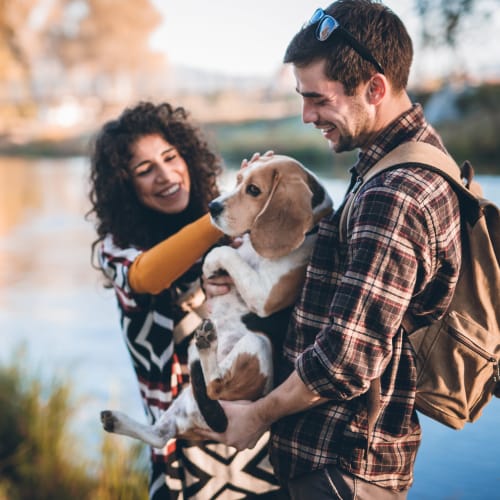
{"x": 281, "y": 225}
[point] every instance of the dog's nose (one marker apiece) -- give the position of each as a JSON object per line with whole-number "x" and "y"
{"x": 215, "y": 207}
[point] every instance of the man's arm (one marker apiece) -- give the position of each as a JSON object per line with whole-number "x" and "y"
{"x": 247, "y": 421}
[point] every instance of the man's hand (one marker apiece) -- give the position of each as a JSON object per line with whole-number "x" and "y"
{"x": 245, "y": 425}
{"x": 247, "y": 421}
{"x": 255, "y": 157}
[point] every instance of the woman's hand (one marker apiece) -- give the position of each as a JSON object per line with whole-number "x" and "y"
{"x": 219, "y": 284}
{"x": 256, "y": 156}
{"x": 216, "y": 285}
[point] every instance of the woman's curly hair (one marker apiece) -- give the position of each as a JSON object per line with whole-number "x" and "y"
{"x": 114, "y": 203}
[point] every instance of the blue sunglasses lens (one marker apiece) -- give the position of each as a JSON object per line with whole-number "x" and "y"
{"x": 327, "y": 25}
{"x": 326, "y": 28}
{"x": 318, "y": 14}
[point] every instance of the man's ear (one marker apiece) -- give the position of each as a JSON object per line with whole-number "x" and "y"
{"x": 377, "y": 88}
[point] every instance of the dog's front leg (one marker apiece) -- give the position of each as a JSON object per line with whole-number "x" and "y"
{"x": 205, "y": 339}
{"x": 254, "y": 287}
{"x": 204, "y": 369}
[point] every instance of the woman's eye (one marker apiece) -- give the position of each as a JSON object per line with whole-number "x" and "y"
{"x": 143, "y": 171}
{"x": 253, "y": 190}
{"x": 168, "y": 158}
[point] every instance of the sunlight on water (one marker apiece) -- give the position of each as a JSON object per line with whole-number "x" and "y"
{"x": 53, "y": 303}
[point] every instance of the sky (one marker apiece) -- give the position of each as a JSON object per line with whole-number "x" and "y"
{"x": 249, "y": 38}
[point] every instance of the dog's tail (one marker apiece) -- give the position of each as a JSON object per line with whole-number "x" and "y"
{"x": 210, "y": 409}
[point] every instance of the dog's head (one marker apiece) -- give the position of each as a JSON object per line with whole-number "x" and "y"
{"x": 276, "y": 200}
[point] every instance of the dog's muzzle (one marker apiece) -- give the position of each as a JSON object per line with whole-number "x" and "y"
{"x": 215, "y": 208}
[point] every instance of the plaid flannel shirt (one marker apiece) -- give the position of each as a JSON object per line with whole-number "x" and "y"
{"x": 403, "y": 252}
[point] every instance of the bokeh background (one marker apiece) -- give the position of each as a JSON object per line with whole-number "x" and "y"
{"x": 66, "y": 66}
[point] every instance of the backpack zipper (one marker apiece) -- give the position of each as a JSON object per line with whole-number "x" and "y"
{"x": 478, "y": 350}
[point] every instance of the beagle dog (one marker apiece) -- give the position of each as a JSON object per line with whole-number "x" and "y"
{"x": 275, "y": 208}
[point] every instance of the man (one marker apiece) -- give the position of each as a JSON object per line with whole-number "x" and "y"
{"x": 343, "y": 418}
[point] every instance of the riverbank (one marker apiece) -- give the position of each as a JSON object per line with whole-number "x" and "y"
{"x": 472, "y": 139}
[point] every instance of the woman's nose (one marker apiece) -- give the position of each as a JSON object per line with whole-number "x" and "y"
{"x": 163, "y": 173}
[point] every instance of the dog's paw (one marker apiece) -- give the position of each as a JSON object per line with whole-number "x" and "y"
{"x": 166, "y": 430}
{"x": 205, "y": 335}
{"x": 214, "y": 261}
{"x": 109, "y": 421}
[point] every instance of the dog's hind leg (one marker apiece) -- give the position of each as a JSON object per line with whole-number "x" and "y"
{"x": 119, "y": 423}
{"x": 181, "y": 416}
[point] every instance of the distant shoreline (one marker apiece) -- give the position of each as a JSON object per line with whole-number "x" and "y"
{"x": 235, "y": 141}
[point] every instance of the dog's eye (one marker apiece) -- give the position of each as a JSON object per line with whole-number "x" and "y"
{"x": 253, "y": 190}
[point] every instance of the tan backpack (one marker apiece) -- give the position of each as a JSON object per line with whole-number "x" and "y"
{"x": 458, "y": 356}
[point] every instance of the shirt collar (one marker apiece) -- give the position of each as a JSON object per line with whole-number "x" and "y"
{"x": 400, "y": 130}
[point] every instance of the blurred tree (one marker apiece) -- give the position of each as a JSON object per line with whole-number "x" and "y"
{"x": 442, "y": 20}
{"x": 108, "y": 34}
{"x": 78, "y": 47}
{"x": 105, "y": 41}
{"x": 15, "y": 46}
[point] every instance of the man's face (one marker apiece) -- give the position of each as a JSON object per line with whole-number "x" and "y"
{"x": 345, "y": 121}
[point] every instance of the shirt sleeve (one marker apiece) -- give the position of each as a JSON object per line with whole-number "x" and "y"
{"x": 390, "y": 237}
{"x": 133, "y": 271}
{"x": 115, "y": 263}
{"x": 157, "y": 268}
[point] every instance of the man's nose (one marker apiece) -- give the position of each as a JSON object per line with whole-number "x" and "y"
{"x": 309, "y": 115}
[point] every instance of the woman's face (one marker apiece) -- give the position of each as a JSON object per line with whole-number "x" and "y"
{"x": 160, "y": 175}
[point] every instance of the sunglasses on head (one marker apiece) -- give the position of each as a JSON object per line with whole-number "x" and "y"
{"x": 328, "y": 25}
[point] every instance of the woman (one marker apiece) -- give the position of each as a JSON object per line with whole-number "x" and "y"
{"x": 152, "y": 177}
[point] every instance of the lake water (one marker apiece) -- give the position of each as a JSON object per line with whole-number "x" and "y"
{"x": 53, "y": 304}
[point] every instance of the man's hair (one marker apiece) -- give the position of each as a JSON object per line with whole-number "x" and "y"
{"x": 375, "y": 26}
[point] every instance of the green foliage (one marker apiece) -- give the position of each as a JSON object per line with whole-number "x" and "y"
{"x": 474, "y": 139}
{"x": 481, "y": 99}
{"x": 122, "y": 473}
{"x": 288, "y": 136}
{"x": 473, "y": 136}
{"x": 34, "y": 461}
{"x": 40, "y": 458}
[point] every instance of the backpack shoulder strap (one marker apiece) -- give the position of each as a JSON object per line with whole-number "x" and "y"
{"x": 420, "y": 153}
{"x": 409, "y": 153}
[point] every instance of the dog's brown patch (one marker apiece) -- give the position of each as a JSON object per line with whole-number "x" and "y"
{"x": 243, "y": 381}
{"x": 286, "y": 291}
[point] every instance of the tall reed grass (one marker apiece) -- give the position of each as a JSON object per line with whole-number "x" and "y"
{"x": 42, "y": 459}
